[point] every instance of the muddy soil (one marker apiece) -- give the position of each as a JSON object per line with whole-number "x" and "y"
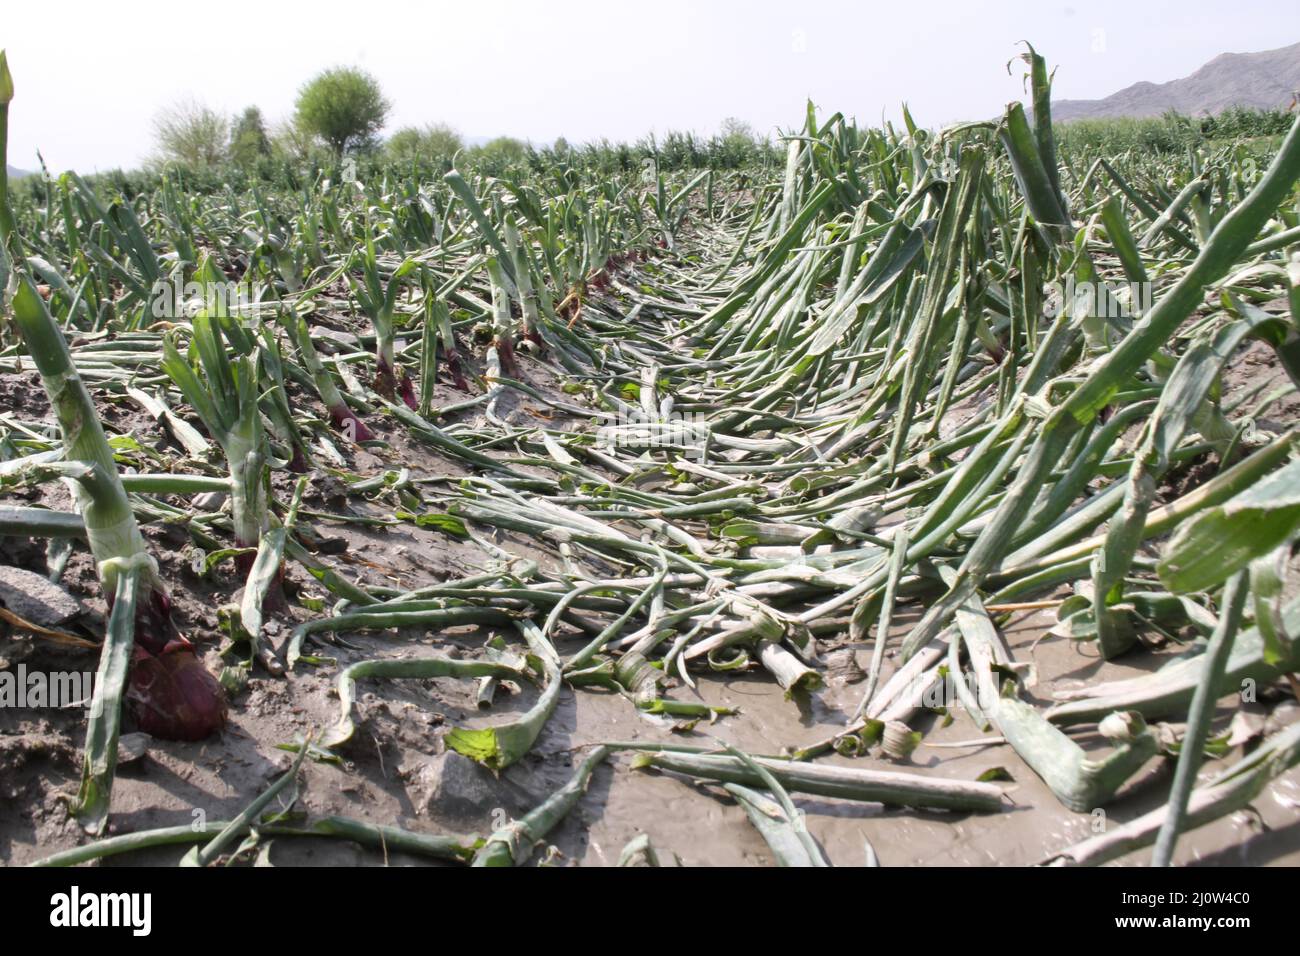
{"x": 395, "y": 770}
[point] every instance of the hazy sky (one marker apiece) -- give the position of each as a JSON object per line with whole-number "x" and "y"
{"x": 91, "y": 75}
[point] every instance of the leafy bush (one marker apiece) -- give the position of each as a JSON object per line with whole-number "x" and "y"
{"x": 191, "y": 134}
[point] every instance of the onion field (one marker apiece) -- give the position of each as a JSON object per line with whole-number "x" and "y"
{"x": 912, "y": 496}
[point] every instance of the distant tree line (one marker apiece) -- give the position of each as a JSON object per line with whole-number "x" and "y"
{"x": 340, "y": 112}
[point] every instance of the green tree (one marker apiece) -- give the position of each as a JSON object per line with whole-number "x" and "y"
{"x": 344, "y": 106}
{"x": 248, "y": 139}
{"x": 442, "y": 141}
{"x": 405, "y": 145}
{"x": 737, "y": 128}
{"x": 191, "y": 134}
{"x": 436, "y": 142}
{"x": 502, "y": 152}
{"x": 290, "y": 142}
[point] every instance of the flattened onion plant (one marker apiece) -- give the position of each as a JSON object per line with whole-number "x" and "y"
{"x": 336, "y": 405}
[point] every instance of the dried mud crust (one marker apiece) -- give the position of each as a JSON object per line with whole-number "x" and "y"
{"x": 396, "y": 771}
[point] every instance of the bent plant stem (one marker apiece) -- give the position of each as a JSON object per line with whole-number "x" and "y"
{"x": 513, "y": 843}
{"x": 426, "y": 667}
{"x": 880, "y": 786}
{"x": 1169, "y": 691}
{"x": 211, "y": 850}
{"x": 498, "y": 747}
{"x": 1198, "y": 718}
{"x": 782, "y": 826}
{"x": 454, "y": 848}
{"x": 1232, "y": 790}
{"x": 1078, "y": 781}
{"x": 265, "y": 574}
{"x": 1221, "y": 251}
{"x": 100, "y": 761}
{"x": 352, "y": 427}
{"x": 110, "y": 525}
{"x": 118, "y": 550}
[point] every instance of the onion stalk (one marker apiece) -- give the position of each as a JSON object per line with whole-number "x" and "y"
{"x": 170, "y": 693}
{"x": 503, "y": 323}
{"x": 340, "y": 413}
{"x": 524, "y": 289}
{"x": 378, "y": 300}
{"x": 224, "y": 393}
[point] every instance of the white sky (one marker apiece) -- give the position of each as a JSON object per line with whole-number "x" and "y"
{"x": 91, "y": 75}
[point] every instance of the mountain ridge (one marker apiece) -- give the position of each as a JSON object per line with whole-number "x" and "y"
{"x": 1268, "y": 79}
